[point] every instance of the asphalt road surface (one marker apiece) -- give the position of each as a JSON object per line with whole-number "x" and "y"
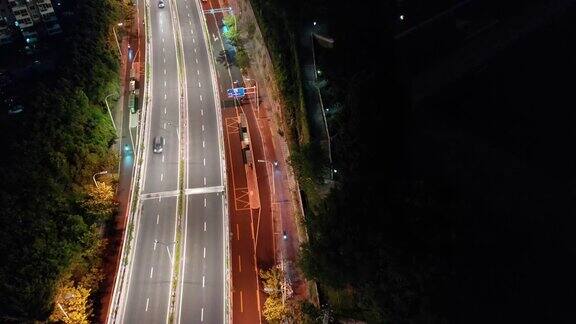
{"x": 149, "y": 288}
{"x": 202, "y": 271}
{"x": 202, "y": 286}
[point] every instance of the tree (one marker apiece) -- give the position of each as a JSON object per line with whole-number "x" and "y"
{"x": 100, "y": 202}
{"x": 272, "y": 281}
{"x": 71, "y": 305}
{"x": 275, "y": 307}
{"x": 231, "y": 31}
{"x": 274, "y": 310}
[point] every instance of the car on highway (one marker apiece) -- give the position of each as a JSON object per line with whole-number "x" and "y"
{"x": 161, "y": 4}
{"x": 158, "y": 144}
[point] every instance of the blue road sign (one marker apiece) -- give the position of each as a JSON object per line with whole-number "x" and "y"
{"x": 236, "y": 92}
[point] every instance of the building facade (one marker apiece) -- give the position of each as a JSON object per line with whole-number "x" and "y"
{"x": 29, "y": 18}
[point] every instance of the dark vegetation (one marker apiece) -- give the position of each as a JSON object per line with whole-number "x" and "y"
{"x": 48, "y": 225}
{"x": 280, "y": 29}
{"x": 456, "y": 209}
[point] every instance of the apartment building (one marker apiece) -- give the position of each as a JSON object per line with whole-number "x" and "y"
{"x": 5, "y": 28}
{"x": 31, "y": 18}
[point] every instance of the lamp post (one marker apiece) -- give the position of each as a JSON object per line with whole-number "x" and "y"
{"x": 120, "y": 24}
{"x": 94, "y": 177}
{"x": 257, "y": 98}
{"x": 271, "y": 167}
{"x": 62, "y": 309}
{"x": 109, "y": 112}
{"x": 167, "y": 249}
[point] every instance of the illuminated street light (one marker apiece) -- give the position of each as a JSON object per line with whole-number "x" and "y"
{"x": 314, "y": 23}
{"x": 271, "y": 167}
{"x": 120, "y": 24}
{"x": 94, "y": 177}
{"x": 109, "y": 112}
{"x": 401, "y": 17}
{"x": 257, "y": 98}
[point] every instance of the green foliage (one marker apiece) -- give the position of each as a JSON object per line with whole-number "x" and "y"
{"x": 242, "y": 59}
{"x": 309, "y": 163}
{"x": 278, "y": 29}
{"x": 231, "y": 32}
{"x": 50, "y": 154}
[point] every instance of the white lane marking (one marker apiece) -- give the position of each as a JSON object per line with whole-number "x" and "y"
{"x": 193, "y": 40}
{"x": 188, "y": 15}
{"x": 164, "y": 83}
{"x": 204, "y": 253}
{"x": 191, "y": 31}
{"x": 164, "y": 125}
{"x": 162, "y": 39}
{"x": 199, "y": 85}
{"x": 165, "y": 97}
{"x": 164, "y": 110}
{"x": 204, "y": 202}
{"x": 157, "y": 218}
{"x": 202, "y": 112}
{"x": 162, "y": 30}
{"x": 147, "y": 301}
{"x": 163, "y": 49}
{"x": 204, "y": 161}
{"x": 204, "y": 226}
{"x": 190, "y": 22}
{"x": 161, "y": 176}
{"x": 164, "y": 60}
{"x": 151, "y": 272}
{"x": 200, "y": 97}
{"x": 164, "y": 71}
{"x": 202, "y": 127}
{"x": 160, "y": 199}
{"x": 204, "y": 180}
{"x": 202, "y": 315}
{"x": 198, "y": 72}
{"x": 196, "y": 61}
{"x": 154, "y": 245}
{"x": 203, "y": 144}
{"x": 195, "y": 52}
{"x": 162, "y": 158}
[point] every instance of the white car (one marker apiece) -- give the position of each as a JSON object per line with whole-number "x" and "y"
{"x": 161, "y": 4}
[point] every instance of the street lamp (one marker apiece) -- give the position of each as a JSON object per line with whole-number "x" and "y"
{"x": 120, "y": 24}
{"x": 257, "y": 98}
{"x": 109, "y": 112}
{"x": 273, "y": 186}
{"x": 62, "y": 309}
{"x": 94, "y": 177}
{"x": 166, "y": 245}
